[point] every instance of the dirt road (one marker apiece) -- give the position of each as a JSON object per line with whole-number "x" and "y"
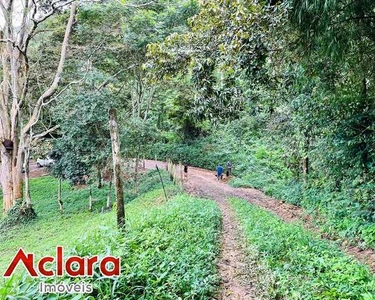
{"x": 239, "y": 277}
{"x": 36, "y": 171}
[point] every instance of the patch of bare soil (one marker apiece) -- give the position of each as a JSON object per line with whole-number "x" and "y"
{"x": 240, "y": 275}
{"x": 238, "y": 280}
{"x": 35, "y": 171}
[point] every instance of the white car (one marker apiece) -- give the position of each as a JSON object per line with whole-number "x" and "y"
{"x": 47, "y": 162}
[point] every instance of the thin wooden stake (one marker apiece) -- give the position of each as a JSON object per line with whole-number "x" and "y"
{"x": 59, "y": 194}
{"x": 90, "y": 199}
{"x": 162, "y": 183}
{"x": 109, "y": 194}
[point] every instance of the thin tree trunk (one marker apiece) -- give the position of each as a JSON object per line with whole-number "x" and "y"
{"x": 90, "y": 199}
{"x": 136, "y": 171}
{"x": 116, "y": 156}
{"x": 59, "y": 196}
{"x": 27, "y": 175}
{"x": 6, "y": 180}
{"x": 109, "y": 194}
{"x": 99, "y": 178}
{"x": 305, "y": 166}
{"x": 18, "y": 160}
{"x": 305, "y": 161}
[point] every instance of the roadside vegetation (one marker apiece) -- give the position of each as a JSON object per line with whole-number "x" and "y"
{"x": 303, "y": 266}
{"x": 287, "y": 97}
{"x": 50, "y": 227}
{"x": 260, "y": 160}
{"x": 168, "y": 248}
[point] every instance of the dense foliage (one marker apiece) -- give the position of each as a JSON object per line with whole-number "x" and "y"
{"x": 260, "y": 161}
{"x": 284, "y": 90}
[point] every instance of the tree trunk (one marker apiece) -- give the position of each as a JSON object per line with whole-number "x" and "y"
{"x": 109, "y": 194}
{"x": 11, "y": 177}
{"x": 6, "y": 180}
{"x": 99, "y": 178}
{"x": 136, "y": 171}
{"x": 27, "y": 175}
{"x": 14, "y": 88}
{"x": 59, "y": 196}
{"x": 90, "y": 199}
{"x": 305, "y": 166}
{"x": 116, "y": 157}
{"x": 18, "y": 159}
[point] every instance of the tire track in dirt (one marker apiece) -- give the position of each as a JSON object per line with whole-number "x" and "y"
{"x": 239, "y": 276}
{"x": 238, "y": 281}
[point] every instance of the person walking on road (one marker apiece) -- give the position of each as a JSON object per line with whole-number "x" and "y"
{"x": 229, "y": 169}
{"x": 219, "y": 172}
{"x": 185, "y": 171}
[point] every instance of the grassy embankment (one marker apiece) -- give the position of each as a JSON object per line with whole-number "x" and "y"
{"x": 52, "y": 228}
{"x": 300, "y": 264}
{"x": 168, "y": 249}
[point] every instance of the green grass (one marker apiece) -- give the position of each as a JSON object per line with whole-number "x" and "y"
{"x": 304, "y": 266}
{"x": 168, "y": 248}
{"x": 168, "y": 251}
{"x": 52, "y": 228}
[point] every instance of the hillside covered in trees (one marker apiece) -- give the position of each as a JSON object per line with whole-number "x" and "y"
{"x": 100, "y": 93}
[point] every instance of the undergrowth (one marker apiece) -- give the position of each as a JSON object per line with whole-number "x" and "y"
{"x": 304, "y": 266}
{"x": 168, "y": 252}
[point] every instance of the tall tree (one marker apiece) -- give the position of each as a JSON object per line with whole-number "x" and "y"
{"x": 117, "y": 176}
{"x": 18, "y": 31}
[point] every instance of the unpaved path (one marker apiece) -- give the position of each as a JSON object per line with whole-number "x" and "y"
{"x": 36, "y": 171}
{"x": 204, "y": 183}
{"x": 237, "y": 279}
{"x": 239, "y": 276}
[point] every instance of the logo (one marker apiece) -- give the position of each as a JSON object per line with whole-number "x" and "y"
{"x": 72, "y": 266}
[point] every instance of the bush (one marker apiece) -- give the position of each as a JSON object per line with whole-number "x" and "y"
{"x": 19, "y": 214}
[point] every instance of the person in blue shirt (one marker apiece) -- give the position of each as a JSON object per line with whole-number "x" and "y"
{"x": 219, "y": 172}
